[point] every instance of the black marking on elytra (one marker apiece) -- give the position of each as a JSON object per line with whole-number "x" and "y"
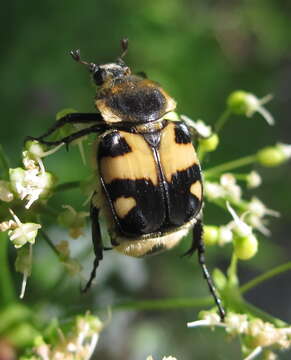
{"x": 160, "y": 207}
{"x": 183, "y": 205}
{"x": 148, "y": 215}
{"x": 182, "y": 135}
{"x": 112, "y": 144}
{"x": 153, "y": 139}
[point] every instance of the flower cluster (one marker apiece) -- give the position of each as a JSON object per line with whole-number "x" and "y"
{"x": 257, "y": 335}
{"x": 240, "y": 231}
{"x": 32, "y": 182}
{"x": 79, "y": 344}
{"x": 223, "y": 187}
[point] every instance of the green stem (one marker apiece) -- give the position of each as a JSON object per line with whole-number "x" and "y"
{"x": 68, "y": 186}
{"x": 234, "y": 164}
{"x": 50, "y": 243}
{"x": 232, "y": 271}
{"x": 164, "y": 304}
{"x": 266, "y": 276}
{"x": 175, "y": 303}
{"x": 4, "y": 164}
{"x": 6, "y": 283}
{"x": 222, "y": 120}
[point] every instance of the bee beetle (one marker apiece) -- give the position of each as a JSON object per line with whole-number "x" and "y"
{"x": 151, "y": 189}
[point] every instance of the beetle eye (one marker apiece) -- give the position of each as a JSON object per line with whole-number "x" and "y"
{"x": 99, "y": 76}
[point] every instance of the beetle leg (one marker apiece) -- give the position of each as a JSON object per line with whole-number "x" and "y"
{"x": 198, "y": 244}
{"x": 73, "y": 118}
{"x": 68, "y": 139}
{"x": 97, "y": 244}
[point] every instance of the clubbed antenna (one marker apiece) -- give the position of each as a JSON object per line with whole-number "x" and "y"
{"x": 77, "y": 57}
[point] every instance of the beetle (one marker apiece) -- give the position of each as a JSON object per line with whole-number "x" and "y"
{"x": 150, "y": 184}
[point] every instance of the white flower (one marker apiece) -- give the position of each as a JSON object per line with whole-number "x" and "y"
{"x": 209, "y": 318}
{"x": 20, "y": 233}
{"x": 213, "y": 190}
{"x": 233, "y": 191}
{"x": 256, "y": 210}
{"x": 239, "y": 226}
{"x": 78, "y": 344}
{"x": 261, "y": 334}
{"x": 236, "y": 323}
{"x": 256, "y": 207}
{"x": 199, "y": 126}
{"x": 34, "y": 150}
{"x": 5, "y": 192}
{"x": 286, "y": 150}
{"x": 30, "y": 184}
{"x": 225, "y": 235}
{"x": 255, "y": 105}
{"x": 245, "y": 103}
{"x": 253, "y": 180}
{"x": 266, "y": 334}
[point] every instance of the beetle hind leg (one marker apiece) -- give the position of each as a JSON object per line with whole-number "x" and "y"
{"x": 97, "y": 243}
{"x": 198, "y": 244}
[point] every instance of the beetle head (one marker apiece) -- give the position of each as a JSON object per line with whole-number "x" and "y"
{"x": 105, "y": 73}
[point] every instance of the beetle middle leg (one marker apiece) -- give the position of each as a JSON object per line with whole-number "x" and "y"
{"x": 68, "y": 139}
{"x": 97, "y": 244}
{"x": 198, "y": 244}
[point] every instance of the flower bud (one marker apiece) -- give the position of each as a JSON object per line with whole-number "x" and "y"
{"x": 17, "y": 178}
{"x": 253, "y": 180}
{"x": 209, "y": 144}
{"x": 219, "y": 279}
{"x": 89, "y": 324}
{"x": 244, "y": 103}
{"x": 34, "y": 149}
{"x": 210, "y": 234}
{"x": 271, "y": 156}
{"x": 245, "y": 247}
{"x": 66, "y": 218}
{"x": 72, "y": 266}
{"x": 5, "y": 191}
{"x": 236, "y": 102}
{"x": 73, "y": 220}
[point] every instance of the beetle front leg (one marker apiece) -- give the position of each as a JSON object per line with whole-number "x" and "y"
{"x": 68, "y": 139}
{"x": 97, "y": 243}
{"x": 73, "y": 118}
{"x": 198, "y": 244}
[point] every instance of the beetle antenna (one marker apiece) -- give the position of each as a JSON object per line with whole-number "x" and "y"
{"x": 77, "y": 57}
{"x": 124, "y": 47}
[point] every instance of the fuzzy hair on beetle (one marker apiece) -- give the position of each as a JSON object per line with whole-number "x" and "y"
{"x": 149, "y": 187}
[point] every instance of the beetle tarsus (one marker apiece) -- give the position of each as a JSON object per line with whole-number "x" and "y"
{"x": 92, "y": 276}
{"x": 199, "y": 245}
{"x": 97, "y": 243}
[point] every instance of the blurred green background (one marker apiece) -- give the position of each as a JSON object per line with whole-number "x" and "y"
{"x": 199, "y": 51}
